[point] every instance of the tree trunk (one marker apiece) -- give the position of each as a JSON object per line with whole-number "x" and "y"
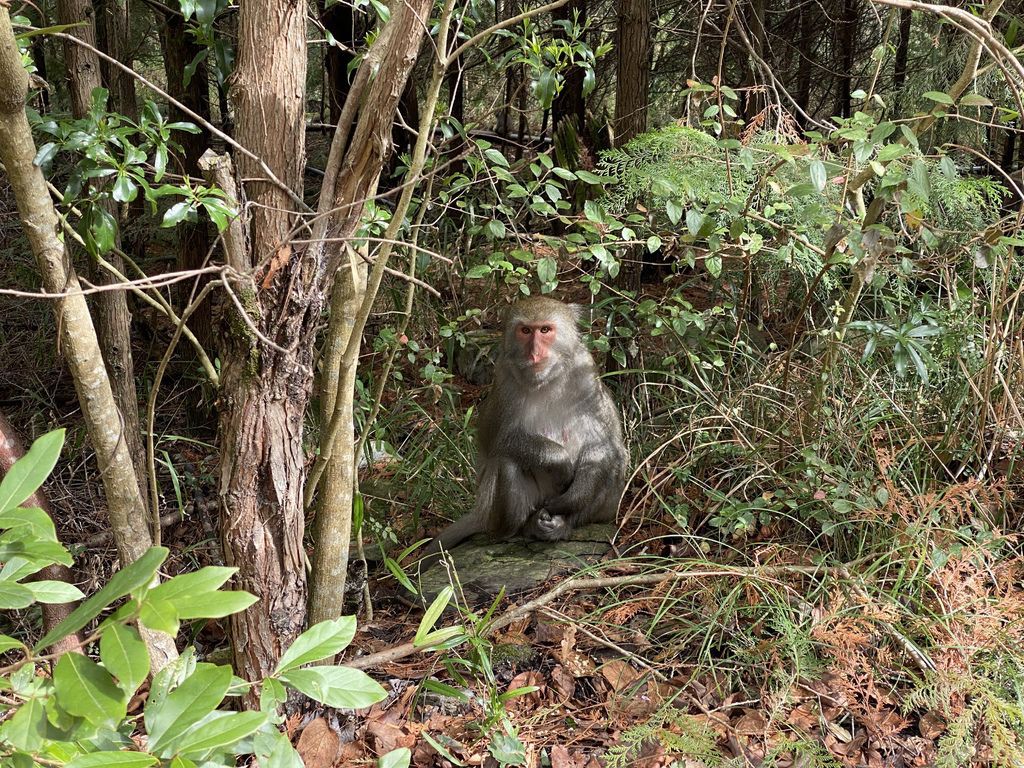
{"x": 633, "y": 69}
{"x": 78, "y": 337}
{"x": 179, "y": 49}
{"x": 353, "y": 178}
{"x": 332, "y": 530}
{"x": 754, "y": 101}
{"x": 803, "y": 73}
{"x": 113, "y": 320}
{"x": 846, "y": 43}
{"x": 570, "y": 103}
{"x": 264, "y": 392}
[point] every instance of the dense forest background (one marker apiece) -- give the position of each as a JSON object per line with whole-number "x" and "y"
{"x": 254, "y": 259}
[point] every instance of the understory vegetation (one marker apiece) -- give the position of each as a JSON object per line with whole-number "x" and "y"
{"x": 799, "y": 273}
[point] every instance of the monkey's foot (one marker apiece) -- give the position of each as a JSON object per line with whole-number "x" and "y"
{"x": 547, "y": 526}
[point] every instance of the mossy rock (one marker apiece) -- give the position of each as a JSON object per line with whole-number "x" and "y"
{"x": 484, "y": 567}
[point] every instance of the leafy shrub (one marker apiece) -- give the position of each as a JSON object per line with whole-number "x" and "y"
{"x": 79, "y": 716}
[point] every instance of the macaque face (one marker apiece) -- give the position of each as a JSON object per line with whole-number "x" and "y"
{"x": 535, "y": 340}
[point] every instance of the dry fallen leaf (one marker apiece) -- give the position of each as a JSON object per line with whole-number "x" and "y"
{"x": 619, "y": 674}
{"x": 318, "y": 744}
{"x": 931, "y": 725}
{"x": 280, "y": 259}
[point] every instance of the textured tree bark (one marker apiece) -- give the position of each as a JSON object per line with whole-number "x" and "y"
{"x": 633, "y": 69}
{"x": 264, "y": 392}
{"x": 77, "y": 335}
{"x": 113, "y": 320}
{"x": 12, "y": 448}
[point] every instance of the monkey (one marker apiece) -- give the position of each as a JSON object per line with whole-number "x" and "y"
{"x": 550, "y": 451}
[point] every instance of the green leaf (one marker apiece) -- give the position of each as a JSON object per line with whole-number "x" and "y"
{"x": 818, "y": 175}
{"x": 14, "y": 596}
{"x": 939, "y": 97}
{"x": 653, "y": 243}
{"x": 28, "y": 727}
{"x": 198, "y": 695}
{"x": 207, "y": 579}
{"x": 159, "y": 615}
{"x": 132, "y": 576}
{"x": 396, "y": 758}
{"x": 496, "y": 157}
{"x": 714, "y": 265}
{"x": 674, "y": 211}
{"x": 103, "y": 229}
{"x": 544, "y": 88}
{"x": 223, "y": 729}
{"x": 592, "y": 178}
{"x": 176, "y": 213}
{"x": 480, "y": 270}
{"x": 113, "y": 760}
{"x": 975, "y": 100}
{"x": 328, "y": 638}
{"x": 124, "y": 190}
{"x": 45, "y": 154}
{"x": 891, "y": 152}
{"x": 336, "y": 686}
{"x": 124, "y": 655}
{"x": 29, "y": 472}
{"x": 8, "y": 643}
{"x": 87, "y": 690}
{"x": 432, "y": 614}
{"x": 547, "y": 270}
{"x": 54, "y": 592}
{"x": 694, "y": 221}
{"x": 214, "y": 605}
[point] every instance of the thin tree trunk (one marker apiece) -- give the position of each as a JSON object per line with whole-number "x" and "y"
{"x": 332, "y": 529}
{"x": 633, "y": 70}
{"x": 353, "y": 179}
{"x": 806, "y": 50}
{"x": 11, "y": 449}
{"x": 77, "y": 335}
{"x": 847, "y": 43}
{"x": 113, "y": 320}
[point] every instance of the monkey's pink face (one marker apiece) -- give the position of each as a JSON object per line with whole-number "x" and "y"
{"x": 535, "y": 341}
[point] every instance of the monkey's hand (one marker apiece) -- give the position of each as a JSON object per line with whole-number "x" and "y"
{"x": 546, "y": 526}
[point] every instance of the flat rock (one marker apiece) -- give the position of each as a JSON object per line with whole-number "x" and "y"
{"x": 519, "y": 565}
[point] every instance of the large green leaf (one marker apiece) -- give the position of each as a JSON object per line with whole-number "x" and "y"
{"x": 113, "y": 760}
{"x": 199, "y": 695}
{"x": 14, "y": 596}
{"x": 28, "y": 727}
{"x": 54, "y": 592}
{"x": 336, "y": 686}
{"x": 318, "y": 642}
{"x": 28, "y": 472}
{"x": 223, "y": 729}
{"x": 131, "y": 577}
{"x": 87, "y": 690}
{"x": 124, "y": 654}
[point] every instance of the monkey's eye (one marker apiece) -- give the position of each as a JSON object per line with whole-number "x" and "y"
{"x": 525, "y": 330}
{"x": 545, "y": 329}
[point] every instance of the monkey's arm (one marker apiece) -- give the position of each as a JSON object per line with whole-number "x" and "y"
{"x": 593, "y": 495}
